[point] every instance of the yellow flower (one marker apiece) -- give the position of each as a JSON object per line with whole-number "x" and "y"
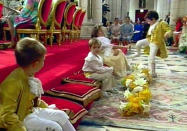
{"x": 128, "y": 81}
{"x": 145, "y": 95}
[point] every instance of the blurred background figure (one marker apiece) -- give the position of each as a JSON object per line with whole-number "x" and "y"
{"x": 138, "y": 30}
{"x": 115, "y": 31}
{"x": 183, "y": 37}
{"x": 126, "y": 31}
{"x": 177, "y": 33}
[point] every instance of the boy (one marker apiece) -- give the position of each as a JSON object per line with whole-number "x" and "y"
{"x": 21, "y": 108}
{"x": 94, "y": 68}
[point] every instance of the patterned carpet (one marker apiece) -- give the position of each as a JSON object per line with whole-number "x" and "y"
{"x": 169, "y": 100}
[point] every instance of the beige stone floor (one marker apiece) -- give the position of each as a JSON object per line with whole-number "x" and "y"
{"x": 104, "y": 128}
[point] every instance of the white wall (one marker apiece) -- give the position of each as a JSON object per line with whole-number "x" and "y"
{"x": 182, "y": 10}
{"x": 163, "y": 8}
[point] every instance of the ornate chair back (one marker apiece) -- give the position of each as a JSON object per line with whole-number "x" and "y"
{"x": 76, "y": 18}
{"x": 81, "y": 18}
{"x": 44, "y": 11}
{"x": 1, "y": 9}
{"x": 68, "y": 16}
{"x": 57, "y": 16}
{"x": 59, "y": 12}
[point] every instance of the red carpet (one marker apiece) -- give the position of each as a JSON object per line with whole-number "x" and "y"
{"x": 60, "y": 62}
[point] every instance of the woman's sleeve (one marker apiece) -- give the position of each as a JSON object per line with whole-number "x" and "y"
{"x": 9, "y": 96}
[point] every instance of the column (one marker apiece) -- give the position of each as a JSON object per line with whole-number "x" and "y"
{"x": 97, "y": 11}
{"x": 174, "y": 11}
{"x": 134, "y": 4}
{"x": 93, "y": 16}
{"x": 5, "y": 2}
{"x": 125, "y": 8}
{"x": 163, "y": 8}
{"x": 155, "y": 4}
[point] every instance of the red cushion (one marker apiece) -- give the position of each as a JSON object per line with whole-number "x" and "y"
{"x": 78, "y": 110}
{"x": 70, "y": 14}
{"x": 81, "y": 19}
{"x": 46, "y": 8}
{"x": 75, "y": 91}
{"x": 60, "y": 12}
{"x": 79, "y": 76}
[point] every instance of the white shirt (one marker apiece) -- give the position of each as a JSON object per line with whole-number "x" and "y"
{"x": 106, "y": 45}
{"x": 94, "y": 64}
{"x": 151, "y": 28}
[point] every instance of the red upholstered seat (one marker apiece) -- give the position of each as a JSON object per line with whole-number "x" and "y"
{"x": 70, "y": 13}
{"x": 1, "y": 9}
{"x": 77, "y": 111}
{"x": 25, "y": 26}
{"x": 5, "y": 25}
{"x": 46, "y": 8}
{"x": 77, "y": 17}
{"x": 81, "y": 18}
{"x": 78, "y": 92}
{"x": 68, "y": 18}
{"x": 79, "y": 77}
{"x": 59, "y": 13}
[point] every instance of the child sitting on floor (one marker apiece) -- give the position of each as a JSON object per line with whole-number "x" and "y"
{"x": 21, "y": 108}
{"x": 94, "y": 68}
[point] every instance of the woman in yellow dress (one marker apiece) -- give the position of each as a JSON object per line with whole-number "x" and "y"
{"x": 155, "y": 40}
{"x": 111, "y": 54}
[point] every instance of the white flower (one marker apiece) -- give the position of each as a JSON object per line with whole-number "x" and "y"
{"x": 140, "y": 82}
{"x": 127, "y": 94}
{"x": 128, "y": 81}
{"x": 140, "y": 66}
{"x": 137, "y": 89}
{"x": 140, "y": 75}
{"x": 146, "y": 108}
{"x": 122, "y": 105}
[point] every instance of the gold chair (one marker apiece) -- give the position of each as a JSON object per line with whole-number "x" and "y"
{"x": 75, "y": 24}
{"x": 80, "y": 22}
{"x": 68, "y": 18}
{"x": 57, "y": 16}
{"x": 40, "y": 27}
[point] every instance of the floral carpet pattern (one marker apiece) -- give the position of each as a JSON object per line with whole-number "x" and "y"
{"x": 168, "y": 105}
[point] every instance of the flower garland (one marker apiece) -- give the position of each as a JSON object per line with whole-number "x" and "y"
{"x": 137, "y": 95}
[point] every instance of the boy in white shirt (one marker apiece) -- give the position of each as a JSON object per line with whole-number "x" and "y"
{"x": 94, "y": 69}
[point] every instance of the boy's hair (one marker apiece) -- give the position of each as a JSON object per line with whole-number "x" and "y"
{"x": 28, "y": 50}
{"x": 95, "y": 31}
{"x": 152, "y": 15}
{"x": 94, "y": 41}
